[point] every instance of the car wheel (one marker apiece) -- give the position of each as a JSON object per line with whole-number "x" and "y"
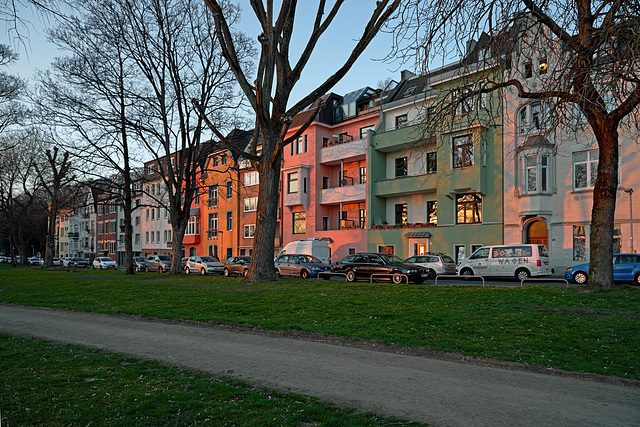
{"x": 226, "y": 272}
{"x": 203, "y": 271}
{"x": 466, "y": 272}
{"x": 580, "y": 277}
{"x": 522, "y": 274}
{"x": 432, "y": 274}
{"x": 146, "y": 268}
{"x": 351, "y": 276}
{"x": 94, "y": 266}
{"x": 304, "y": 274}
{"x": 186, "y": 270}
{"x": 636, "y": 280}
{"x": 397, "y": 278}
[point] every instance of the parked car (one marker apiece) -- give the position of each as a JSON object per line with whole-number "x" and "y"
{"x": 35, "y": 261}
{"x": 183, "y": 263}
{"x": 519, "y": 261}
{"x": 159, "y": 263}
{"x": 237, "y": 266}
{"x": 303, "y": 266}
{"x": 138, "y": 263}
{"x": 383, "y": 266}
{"x": 204, "y": 265}
{"x": 436, "y": 264}
{"x": 67, "y": 262}
{"x": 103, "y": 263}
{"x": 79, "y": 262}
{"x": 626, "y": 268}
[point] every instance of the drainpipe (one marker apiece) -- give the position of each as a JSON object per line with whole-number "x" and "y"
{"x": 630, "y": 192}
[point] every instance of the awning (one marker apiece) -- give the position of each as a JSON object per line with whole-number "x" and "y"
{"x": 418, "y": 234}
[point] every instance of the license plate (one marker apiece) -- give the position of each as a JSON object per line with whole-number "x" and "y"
{"x": 424, "y": 275}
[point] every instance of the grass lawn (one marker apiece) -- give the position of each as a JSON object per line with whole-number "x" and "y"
{"x": 62, "y": 385}
{"x": 548, "y": 326}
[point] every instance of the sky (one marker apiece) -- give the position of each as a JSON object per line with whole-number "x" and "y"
{"x": 333, "y": 48}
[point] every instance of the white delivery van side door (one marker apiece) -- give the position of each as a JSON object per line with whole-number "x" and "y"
{"x": 479, "y": 262}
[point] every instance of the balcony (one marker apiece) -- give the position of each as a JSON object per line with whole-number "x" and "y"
{"x": 334, "y": 152}
{"x": 344, "y": 194}
{"x": 406, "y": 185}
{"x": 191, "y": 239}
{"x": 73, "y": 235}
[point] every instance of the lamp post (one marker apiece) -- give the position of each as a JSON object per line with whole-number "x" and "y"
{"x": 630, "y": 192}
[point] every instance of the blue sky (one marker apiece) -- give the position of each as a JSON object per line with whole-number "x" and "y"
{"x": 333, "y": 48}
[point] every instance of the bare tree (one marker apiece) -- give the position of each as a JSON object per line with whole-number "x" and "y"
{"x": 19, "y": 186}
{"x": 593, "y": 48}
{"x": 53, "y": 176}
{"x": 173, "y": 46}
{"x": 269, "y": 97}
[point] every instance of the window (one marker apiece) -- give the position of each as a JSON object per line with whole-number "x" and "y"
{"x": 213, "y": 224}
{"x": 364, "y": 131}
{"x": 196, "y": 199}
{"x": 401, "y": 214}
{"x": 213, "y": 195}
{"x": 214, "y": 162}
{"x": 462, "y": 151}
{"x": 530, "y": 118}
{"x": 153, "y": 237}
{"x": 432, "y": 162}
{"x": 460, "y": 253}
{"x": 146, "y": 237}
{"x": 251, "y": 178}
{"x": 401, "y": 167}
{"x": 193, "y": 226}
{"x": 136, "y": 239}
{"x": 401, "y": 120}
{"x": 292, "y": 182}
{"x": 432, "y": 212}
{"x": 249, "y": 231}
{"x": 384, "y": 249}
{"x": 325, "y": 182}
{"x": 585, "y": 169}
{"x": 579, "y": 243}
{"x": 250, "y": 204}
{"x": 299, "y": 222}
{"x": 617, "y": 239}
{"x": 528, "y": 70}
{"x": 229, "y": 221}
{"x": 223, "y": 159}
{"x": 468, "y": 209}
{"x": 543, "y": 65}
{"x": 153, "y": 214}
{"x": 137, "y": 221}
{"x": 363, "y": 218}
{"x": 537, "y": 174}
{"x": 229, "y": 189}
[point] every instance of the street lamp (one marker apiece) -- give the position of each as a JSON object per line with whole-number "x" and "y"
{"x": 630, "y": 192}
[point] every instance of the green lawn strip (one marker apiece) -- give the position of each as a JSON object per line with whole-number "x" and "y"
{"x": 549, "y": 326}
{"x": 54, "y": 384}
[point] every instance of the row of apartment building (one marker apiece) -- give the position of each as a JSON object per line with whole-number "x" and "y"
{"x": 368, "y": 175}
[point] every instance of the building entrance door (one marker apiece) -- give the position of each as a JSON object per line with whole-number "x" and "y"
{"x": 537, "y": 233}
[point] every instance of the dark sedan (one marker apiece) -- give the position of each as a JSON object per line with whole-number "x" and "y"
{"x": 379, "y": 267}
{"x": 303, "y": 266}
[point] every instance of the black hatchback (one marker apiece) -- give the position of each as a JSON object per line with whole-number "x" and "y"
{"x": 379, "y": 267}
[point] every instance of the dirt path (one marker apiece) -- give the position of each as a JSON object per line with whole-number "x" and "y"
{"x": 440, "y": 392}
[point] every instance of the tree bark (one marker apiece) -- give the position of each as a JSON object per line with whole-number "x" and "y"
{"x": 604, "y": 206}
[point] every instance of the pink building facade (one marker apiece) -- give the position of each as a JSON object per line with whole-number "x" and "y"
{"x": 324, "y": 176}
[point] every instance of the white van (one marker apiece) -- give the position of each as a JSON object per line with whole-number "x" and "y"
{"x": 313, "y": 246}
{"x": 520, "y": 261}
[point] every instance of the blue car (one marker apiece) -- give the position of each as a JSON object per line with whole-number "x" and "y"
{"x": 626, "y": 268}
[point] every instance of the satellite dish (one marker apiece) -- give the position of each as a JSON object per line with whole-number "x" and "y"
{"x": 344, "y": 182}
{"x": 377, "y": 221}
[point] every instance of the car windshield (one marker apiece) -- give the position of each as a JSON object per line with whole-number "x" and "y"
{"x": 79, "y": 259}
{"x": 139, "y": 259}
{"x": 164, "y": 258}
{"x": 391, "y": 258}
{"x": 209, "y": 259}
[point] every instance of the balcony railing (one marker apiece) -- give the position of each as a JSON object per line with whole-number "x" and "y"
{"x": 212, "y": 234}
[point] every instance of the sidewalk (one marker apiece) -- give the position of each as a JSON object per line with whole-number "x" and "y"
{"x": 441, "y": 393}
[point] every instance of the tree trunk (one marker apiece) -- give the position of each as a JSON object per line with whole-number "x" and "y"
{"x": 604, "y": 206}
{"x": 50, "y": 245}
{"x": 262, "y": 267}
{"x": 176, "y": 244}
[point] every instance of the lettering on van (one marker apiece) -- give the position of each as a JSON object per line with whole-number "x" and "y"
{"x": 513, "y": 260}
